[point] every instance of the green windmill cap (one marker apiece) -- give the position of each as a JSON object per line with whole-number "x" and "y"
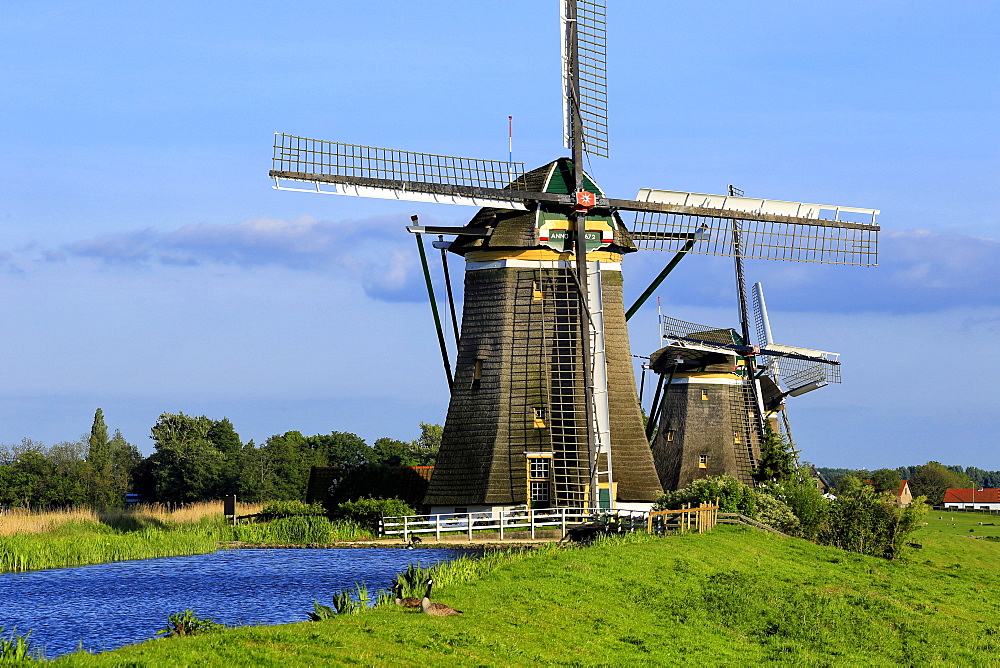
{"x": 514, "y": 230}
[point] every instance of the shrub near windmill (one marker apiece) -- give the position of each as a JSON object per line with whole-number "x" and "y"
{"x": 543, "y": 407}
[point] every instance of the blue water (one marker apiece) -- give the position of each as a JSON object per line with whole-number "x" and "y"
{"x": 106, "y": 606}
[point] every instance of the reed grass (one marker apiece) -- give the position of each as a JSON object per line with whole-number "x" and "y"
{"x": 21, "y": 521}
{"x": 92, "y": 544}
{"x": 83, "y": 536}
{"x": 299, "y": 530}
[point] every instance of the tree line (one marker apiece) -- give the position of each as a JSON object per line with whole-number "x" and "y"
{"x": 193, "y": 459}
{"x": 932, "y": 479}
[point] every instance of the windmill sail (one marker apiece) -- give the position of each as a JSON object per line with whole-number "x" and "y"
{"x": 771, "y": 230}
{"x": 366, "y": 171}
{"x": 590, "y": 57}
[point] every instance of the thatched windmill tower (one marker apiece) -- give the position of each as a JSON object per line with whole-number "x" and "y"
{"x": 716, "y": 391}
{"x": 516, "y": 429}
{"x": 543, "y": 408}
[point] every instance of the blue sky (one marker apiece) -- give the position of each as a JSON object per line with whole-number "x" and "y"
{"x": 146, "y": 265}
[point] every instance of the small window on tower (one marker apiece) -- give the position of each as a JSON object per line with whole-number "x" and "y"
{"x": 670, "y": 435}
{"x": 538, "y": 468}
{"x": 539, "y": 418}
{"x": 536, "y": 293}
{"x": 704, "y": 395}
{"x": 703, "y": 461}
{"x": 477, "y": 374}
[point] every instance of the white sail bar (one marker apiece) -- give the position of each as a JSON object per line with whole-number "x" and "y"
{"x": 602, "y": 411}
{"x": 591, "y": 30}
{"x": 764, "y": 336}
{"x": 808, "y": 352}
{"x": 400, "y": 194}
{"x": 757, "y": 206}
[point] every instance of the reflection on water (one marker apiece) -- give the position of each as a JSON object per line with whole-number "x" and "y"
{"x": 106, "y": 606}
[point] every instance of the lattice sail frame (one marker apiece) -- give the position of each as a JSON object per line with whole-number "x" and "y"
{"x": 592, "y": 55}
{"x": 300, "y": 155}
{"x": 793, "y": 366}
{"x": 826, "y": 241}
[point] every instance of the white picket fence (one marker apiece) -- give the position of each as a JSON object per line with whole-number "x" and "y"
{"x": 507, "y": 521}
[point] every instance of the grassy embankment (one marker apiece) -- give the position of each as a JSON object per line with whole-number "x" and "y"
{"x": 732, "y": 596}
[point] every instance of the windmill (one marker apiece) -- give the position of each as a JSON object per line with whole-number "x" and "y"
{"x": 716, "y": 390}
{"x": 543, "y": 390}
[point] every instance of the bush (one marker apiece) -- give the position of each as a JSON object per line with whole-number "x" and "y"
{"x": 774, "y": 513}
{"x": 733, "y": 496}
{"x": 368, "y": 512}
{"x": 868, "y": 522}
{"x": 279, "y": 509}
{"x": 805, "y": 500}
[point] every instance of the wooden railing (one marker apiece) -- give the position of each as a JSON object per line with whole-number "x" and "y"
{"x": 502, "y": 523}
{"x": 737, "y": 518}
{"x": 701, "y": 518}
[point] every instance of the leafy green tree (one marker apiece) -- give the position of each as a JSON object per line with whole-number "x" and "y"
{"x": 340, "y": 448}
{"x": 933, "y": 479}
{"x": 225, "y": 439}
{"x": 186, "y": 465}
{"x": 290, "y": 457}
{"x": 428, "y": 443}
{"x": 390, "y": 452}
{"x": 255, "y": 474}
{"x": 849, "y": 484}
{"x": 31, "y": 479}
{"x": 886, "y": 480}
{"x": 98, "y": 453}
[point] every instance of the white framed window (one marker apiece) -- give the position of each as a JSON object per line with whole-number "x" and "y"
{"x": 539, "y": 468}
{"x": 540, "y": 491}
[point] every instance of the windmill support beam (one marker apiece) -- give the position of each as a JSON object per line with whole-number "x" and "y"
{"x": 477, "y": 195}
{"x": 434, "y": 310}
{"x": 659, "y": 279}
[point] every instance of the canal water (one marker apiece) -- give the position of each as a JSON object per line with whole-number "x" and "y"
{"x": 106, "y": 606}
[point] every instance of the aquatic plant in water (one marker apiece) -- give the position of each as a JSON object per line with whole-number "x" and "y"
{"x": 188, "y": 624}
{"x": 16, "y": 648}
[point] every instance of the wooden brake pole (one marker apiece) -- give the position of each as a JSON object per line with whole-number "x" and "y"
{"x": 447, "y": 285}
{"x": 434, "y": 308}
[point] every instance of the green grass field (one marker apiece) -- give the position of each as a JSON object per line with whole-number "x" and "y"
{"x": 732, "y": 596}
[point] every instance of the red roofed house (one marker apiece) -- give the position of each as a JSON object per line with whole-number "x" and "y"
{"x": 904, "y": 497}
{"x": 972, "y": 499}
